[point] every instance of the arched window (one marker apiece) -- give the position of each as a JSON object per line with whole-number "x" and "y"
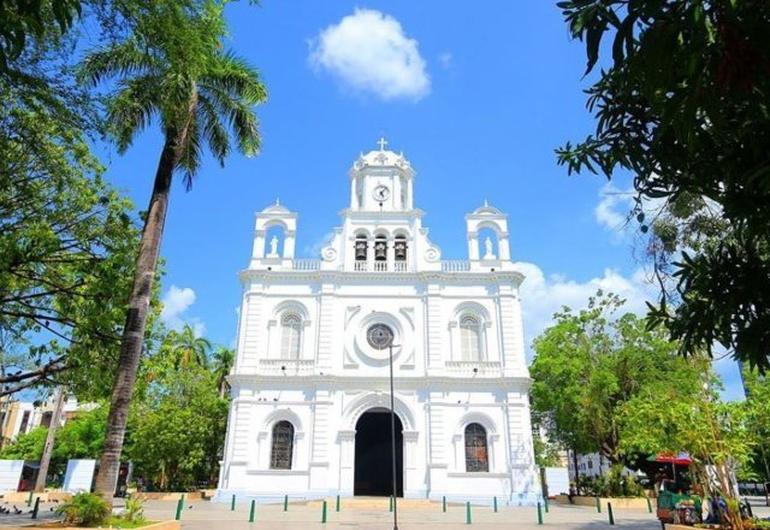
{"x": 476, "y": 448}
{"x": 282, "y": 445}
{"x": 470, "y": 338}
{"x": 291, "y": 336}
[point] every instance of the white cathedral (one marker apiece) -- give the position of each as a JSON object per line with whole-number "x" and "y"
{"x": 310, "y": 388}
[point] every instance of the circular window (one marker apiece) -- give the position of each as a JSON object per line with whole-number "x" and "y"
{"x": 379, "y": 336}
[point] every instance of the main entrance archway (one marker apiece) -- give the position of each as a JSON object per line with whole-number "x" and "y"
{"x": 373, "y": 464}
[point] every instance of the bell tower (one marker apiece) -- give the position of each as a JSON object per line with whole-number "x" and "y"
{"x": 381, "y": 181}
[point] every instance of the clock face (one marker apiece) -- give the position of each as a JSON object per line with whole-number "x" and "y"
{"x": 381, "y": 193}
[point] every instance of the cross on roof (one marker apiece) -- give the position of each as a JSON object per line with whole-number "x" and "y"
{"x": 382, "y": 142}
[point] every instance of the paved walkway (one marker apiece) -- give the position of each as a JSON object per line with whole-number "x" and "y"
{"x": 373, "y": 514}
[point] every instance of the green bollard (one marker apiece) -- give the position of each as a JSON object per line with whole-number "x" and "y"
{"x": 494, "y": 502}
{"x": 598, "y": 506}
{"x": 179, "y": 505}
{"x": 285, "y": 503}
{"x": 323, "y": 512}
{"x": 253, "y": 511}
{"x": 29, "y": 499}
{"x": 545, "y": 503}
{"x": 232, "y": 503}
{"x": 36, "y": 508}
{"x": 337, "y": 506}
{"x": 443, "y": 504}
{"x": 649, "y": 505}
{"x": 467, "y": 513}
{"x": 609, "y": 513}
{"x": 390, "y": 503}
{"x": 539, "y": 513}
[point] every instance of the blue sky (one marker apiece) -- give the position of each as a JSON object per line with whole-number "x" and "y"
{"x": 478, "y": 99}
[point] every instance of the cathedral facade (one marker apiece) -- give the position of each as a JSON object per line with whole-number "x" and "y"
{"x": 310, "y": 406}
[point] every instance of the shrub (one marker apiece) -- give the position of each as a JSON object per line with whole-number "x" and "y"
{"x": 134, "y": 510}
{"x": 612, "y": 484}
{"x": 85, "y": 509}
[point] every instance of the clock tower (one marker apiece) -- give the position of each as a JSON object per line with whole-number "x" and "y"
{"x": 381, "y": 181}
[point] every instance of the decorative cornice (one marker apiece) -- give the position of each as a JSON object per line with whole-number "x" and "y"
{"x": 395, "y": 214}
{"x": 520, "y": 383}
{"x": 398, "y": 277}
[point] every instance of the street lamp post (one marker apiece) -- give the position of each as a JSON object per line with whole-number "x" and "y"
{"x": 380, "y": 337}
{"x": 393, "y": 438}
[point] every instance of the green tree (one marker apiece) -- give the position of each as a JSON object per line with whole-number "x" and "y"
{"x": 22, "y": 21}
{"x": 189, "y": 349}
{"x": 223, "y": 360}
{"x": 682, "y": 105}
{"x": 172, "y": 68}
{"x": 67, "y": 242}
{"x": 757, "y": 407}
{"x": 716, "y": 435}
{"x": 589, "y": 365}
{"x": 80, "y": 437}
{"x": 176, "y": 432}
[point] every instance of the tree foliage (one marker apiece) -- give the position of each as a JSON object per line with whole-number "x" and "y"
{"x": 683, "y": 106}
{"x": 175, "y": 430}
{"x": 757, "y": 405}
{"x": 22, "y": 21}
{"x": 81, "y": 437}
{"x": 67, "y": 246}
{"x": 171, "y": 69}
{"x": 590, "y": 366}
{"x": 187, "y": 348}
{"x": 717, "y": 435}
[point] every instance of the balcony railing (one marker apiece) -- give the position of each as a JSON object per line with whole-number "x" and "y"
{"x": 381, "y": 266}
{"x": 470, "y": 368}
{"x": 455, "y": 265}
{"x": 286, "y": 366}
{"x": 306, "y": 264}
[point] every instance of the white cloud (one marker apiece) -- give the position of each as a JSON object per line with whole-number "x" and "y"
{"x": 369, "y": 52}
{"x": 543, "y": 295}
{"x": 446, "y": 60}
{"x": 613, "y": 208}
{"x": 177, "y": 301}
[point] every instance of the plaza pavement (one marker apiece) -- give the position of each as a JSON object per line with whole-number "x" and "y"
{"x": 373, "y": 514}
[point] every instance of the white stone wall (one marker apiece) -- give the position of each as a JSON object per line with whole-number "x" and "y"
{"x": 338, "y": 376}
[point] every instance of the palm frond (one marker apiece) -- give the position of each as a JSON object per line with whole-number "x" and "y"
{"x": 237, "y": 77}
{"x": 190, "y": 158}
{"x": 131, "y": 108}
{"x": 119, "y": 60}
{"x": 214, "y": 133}
{"x": 239, "y": 116}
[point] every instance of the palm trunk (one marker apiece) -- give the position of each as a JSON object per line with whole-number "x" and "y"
{"x": 136, "y": 319}
{"x": 45, "y": 460}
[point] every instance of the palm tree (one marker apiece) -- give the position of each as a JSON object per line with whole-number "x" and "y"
{"x": 187, "y": 348}
{"x": 224, "y": 358}
{"x": 173, "y": 71}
